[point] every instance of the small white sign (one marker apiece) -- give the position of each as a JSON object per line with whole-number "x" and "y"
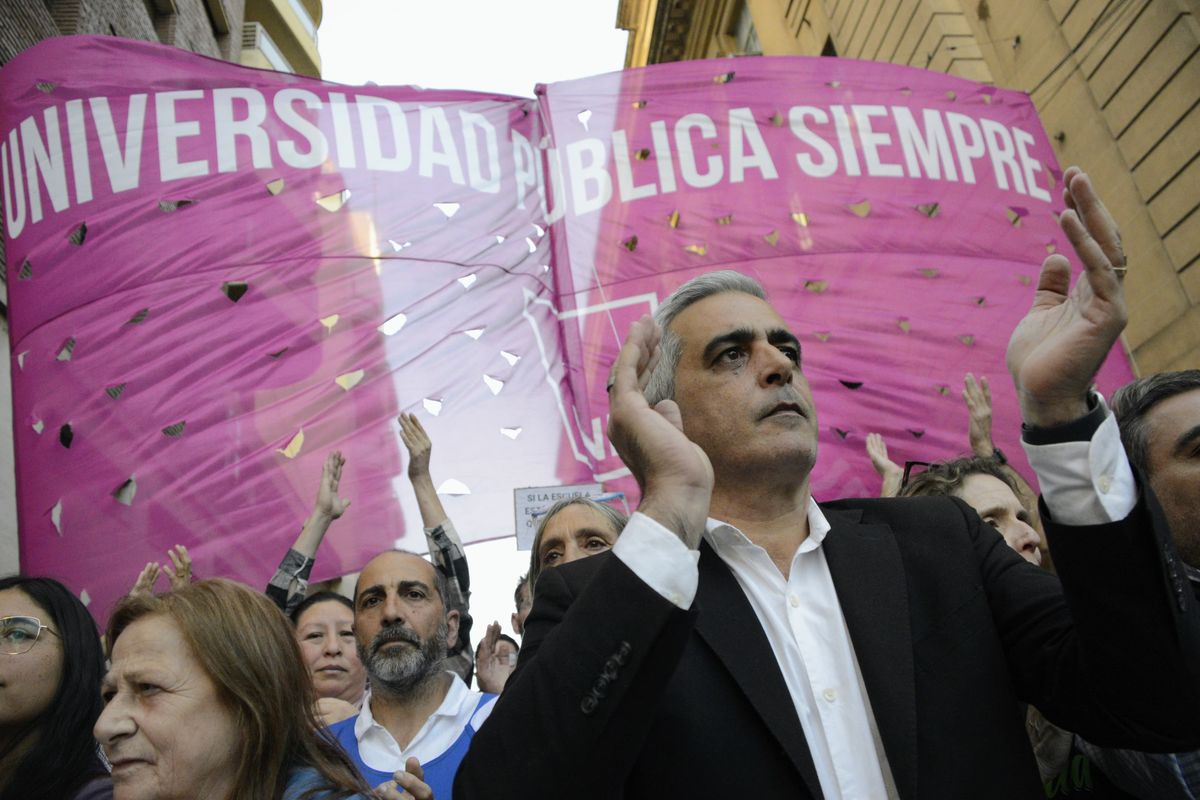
{"x": 533, "y": 500}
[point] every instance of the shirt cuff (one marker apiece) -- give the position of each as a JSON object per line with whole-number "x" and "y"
{"x": 660, "y": 559}
{"x": 1085, "y": 482}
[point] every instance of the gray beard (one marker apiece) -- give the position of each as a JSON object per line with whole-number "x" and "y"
{"x": 401, "y": 671}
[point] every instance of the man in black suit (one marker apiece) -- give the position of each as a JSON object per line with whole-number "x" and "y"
{"x": 861, "y": 649}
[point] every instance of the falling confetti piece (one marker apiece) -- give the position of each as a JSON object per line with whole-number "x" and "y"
{"x": 851, "y": 384}
{"x": 168, "y": 206}
{"x": 114, "y": 391}
{"x": 673, "y": 220}
{"x": 453, "y": 487}
{"x": 125, "y": 492}
{"x": 468, "y": 281}
{"x": 915, "y": 433}
{"x": 929, "y": 209}
{"x": 980, "y": 301}
{"x": 330, "y": 321}
{"x": 235, "y": 290}
{"x": 841, "y": 433}
{"x": 1024, "y": 280}
{"x": 725, "y": 220}
{"x": 393, "y": 324}
{"x": 26, "y": 271}
{"x": 334, "y": 202}
{"x": 398, "y": 246}
{"x": 904, "y": 325}
{"x": 583, "y": 117}
{"x": 906, "y": 91}
{"x": 85, "y": 598}
{"x": 66, "y": 436}
{"x": 1051, "y": 248}
{"x": 45, "y": 86}
{"x": 78, "y": 235}
{"x": 350, "y": 379}
{"x": 772, "y": 238}
{"x": 816, "y": 286}
{"x": 176, "y": 430}
{"x": 432, "y": 406}
{"x": 56, "y": 517}
{"x": 776, "y": 119}
{"x": 474, "y": 333}
{"x": 68, "y": 347}
{"x": 38, "y": 427}
{"x": 139, "y": 317}
{"x": 531, "y": 244}
{"x": 967, "y": 339}
{"x": 277, "y": 353}
{"x": 800, "y": 218}
{"x": 511, "y": 433}
{"x": 987, "y": 98}
{"x": 499, "y": 239}
{"x": 643, "y": 154}
{"x": 630, "y": 244}
{"x": 698, "y": 249}
{"x": 511, "y": 358}
{"x": 943, "y": 389}
{"x": 928, "y": 272}
{"x": 293, "y": 447}
{"x": 861, "y": 209}
{"x": 275, "y": 187}
{"x": 833, "y": 84}
{"x": 724, "y": 78}
{"x": 822, "y": 336}
{"x": 539, "y": 229}
{"x": 21, "y": 358}
{"x": 493, "y": 383}
{"x": 639, "y": 104}
{"x": 1015, "y": 214}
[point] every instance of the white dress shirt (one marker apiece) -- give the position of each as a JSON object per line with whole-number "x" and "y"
{"x": 1083, "y": 483}
{"x": 379, "y": 750}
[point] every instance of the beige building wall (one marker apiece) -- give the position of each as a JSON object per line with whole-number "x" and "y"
{"x": 1117, "y": 84}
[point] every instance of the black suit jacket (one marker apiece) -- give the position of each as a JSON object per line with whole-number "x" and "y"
{"x": 619, "y": 693}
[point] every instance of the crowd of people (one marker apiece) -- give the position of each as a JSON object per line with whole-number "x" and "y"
{"x": 730, "y": 638}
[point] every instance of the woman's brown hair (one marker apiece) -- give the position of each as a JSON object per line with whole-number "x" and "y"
{"x": 248, "y": 649}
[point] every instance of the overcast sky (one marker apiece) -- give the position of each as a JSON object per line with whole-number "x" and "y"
{"x": 503, "y": 47}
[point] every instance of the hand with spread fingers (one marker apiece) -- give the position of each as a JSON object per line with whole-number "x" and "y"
{"x": 406, "y": 785}
{"x": 978, "y": 397}
{"x": 180, "y": 573}
{"x": 674, "y": 474}
{"x": 144, "y": 585}
{"x": 490, "y": 671}
{"x": 1056, "y": 350}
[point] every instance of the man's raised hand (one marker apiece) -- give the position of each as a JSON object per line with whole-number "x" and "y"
{"x": 674, "y": 474}
{"x": 1058, "y": 347}
{"x": 419, "y": 445}
{"x": 328, "y": 504}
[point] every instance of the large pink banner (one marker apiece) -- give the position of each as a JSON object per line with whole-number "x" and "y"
{"x": 217, "y": 275}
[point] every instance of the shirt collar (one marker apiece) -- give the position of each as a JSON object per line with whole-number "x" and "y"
{"x": 721, "y": 533}
{"x": 456, "y": 695}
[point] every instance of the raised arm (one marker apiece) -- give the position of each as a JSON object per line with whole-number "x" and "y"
{"x": 290, "y": 581}
{"x": 445, "y": 546}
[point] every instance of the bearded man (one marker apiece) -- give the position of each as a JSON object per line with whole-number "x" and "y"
{"x": 417, "y": 719}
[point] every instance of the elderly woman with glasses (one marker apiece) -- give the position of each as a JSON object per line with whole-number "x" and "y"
{"x": 50, "y": 670}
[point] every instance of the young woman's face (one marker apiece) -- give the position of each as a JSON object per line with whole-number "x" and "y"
{"x": 28, "y": 681}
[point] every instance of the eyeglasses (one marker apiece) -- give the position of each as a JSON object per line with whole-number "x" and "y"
{"x": 911, "y": 471}
{"x": 19, "y": 634}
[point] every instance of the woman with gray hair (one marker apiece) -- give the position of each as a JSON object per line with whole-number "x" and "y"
{"x": 572, "y": 529}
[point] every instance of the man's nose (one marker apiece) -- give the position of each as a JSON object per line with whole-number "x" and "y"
{"x": 775, "y": 365}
